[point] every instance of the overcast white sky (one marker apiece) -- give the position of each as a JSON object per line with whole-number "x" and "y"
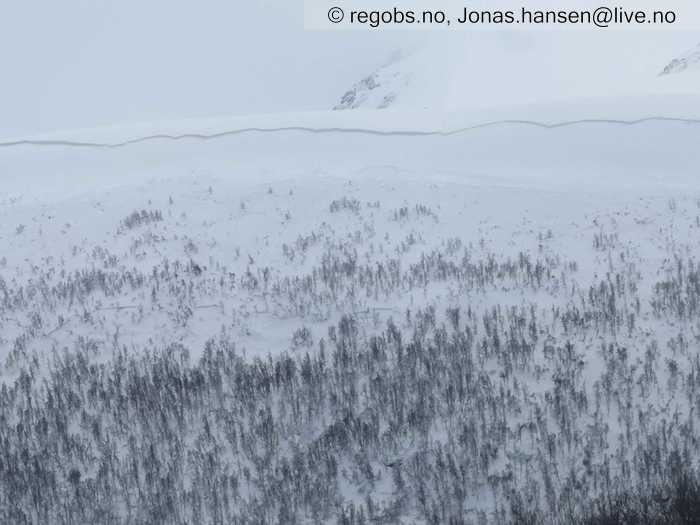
{"x": 85, "y": 63}
{"x": 82, "y": 63}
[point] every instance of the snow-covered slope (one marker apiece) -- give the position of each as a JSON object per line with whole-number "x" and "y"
{"x": 336, "y": 317}
{"x": 473, "y": 299}
{"x": 557, "y": 143}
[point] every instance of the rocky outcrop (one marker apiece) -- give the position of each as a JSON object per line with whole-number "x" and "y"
{"x": 689, "y": 60}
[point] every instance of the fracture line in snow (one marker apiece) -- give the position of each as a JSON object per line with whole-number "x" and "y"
{"x": 363, "y": 131}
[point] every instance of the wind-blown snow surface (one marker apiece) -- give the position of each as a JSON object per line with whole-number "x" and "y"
{"x": 313, "y": 317}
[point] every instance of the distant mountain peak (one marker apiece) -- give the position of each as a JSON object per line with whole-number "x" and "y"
{"x": 688, "y": 60}
{"x": 379, "y": 90}
{"x": 366, "y": 93}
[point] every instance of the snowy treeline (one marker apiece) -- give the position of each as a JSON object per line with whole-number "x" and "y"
{"x": 423, "y": 379}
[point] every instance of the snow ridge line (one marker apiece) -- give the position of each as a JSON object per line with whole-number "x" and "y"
{"x": 364, "y": 131}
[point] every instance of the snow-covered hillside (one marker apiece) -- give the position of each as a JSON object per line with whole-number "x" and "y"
{"x": 472, "y": 299}
{"x": 353, "y": 317}
{"x": 489, "y": 70}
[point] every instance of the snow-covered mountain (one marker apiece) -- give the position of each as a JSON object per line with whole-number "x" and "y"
{"x": 379, "y": 89}
{"x": 492, "y": 70}
{"x": 688, "y": 60}
{"x": 413, "y": 78}
{"x": 405, "y": 80}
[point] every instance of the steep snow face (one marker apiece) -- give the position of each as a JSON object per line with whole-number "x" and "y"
{"x": 688, "y": 60}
